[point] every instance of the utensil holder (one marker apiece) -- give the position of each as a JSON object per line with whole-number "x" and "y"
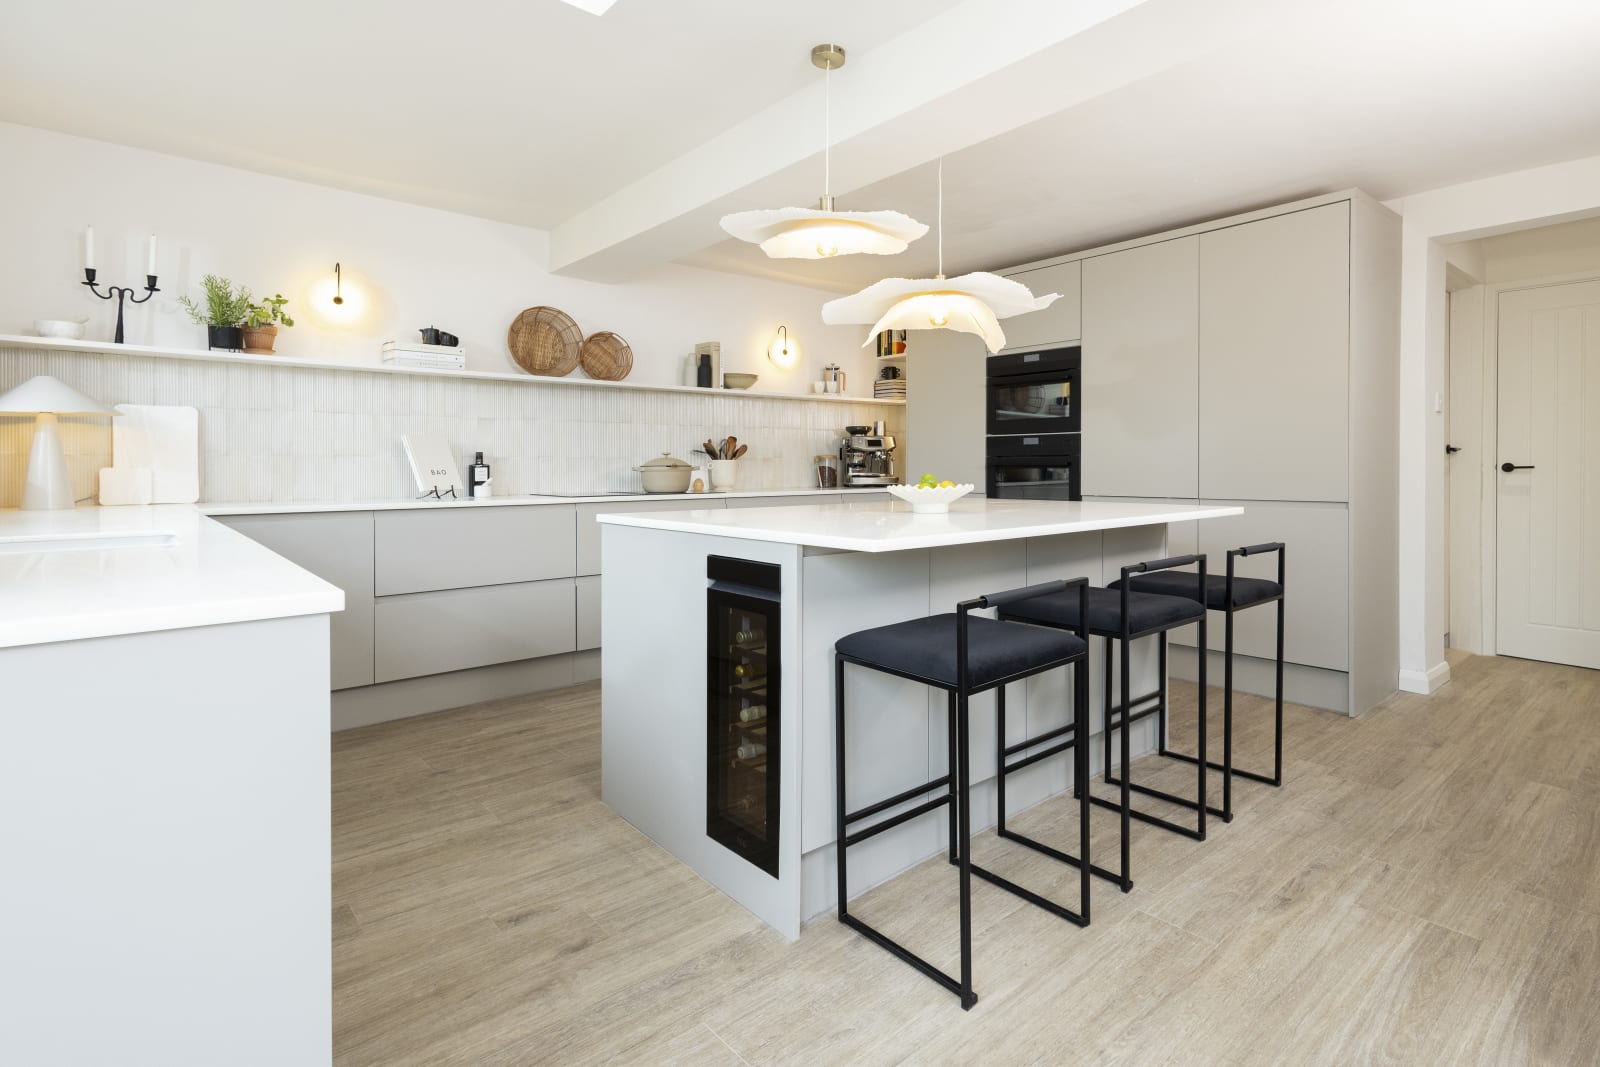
{"x": 724, "y": 474}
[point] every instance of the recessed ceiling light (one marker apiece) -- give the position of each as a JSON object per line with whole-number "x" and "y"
{"x": 593, "y": 7}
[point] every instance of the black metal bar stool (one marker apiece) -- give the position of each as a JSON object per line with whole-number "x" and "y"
{"x": 1229, "y": 595}
{"x": 1125, "y": 616}
{"x": 964, "y": 656}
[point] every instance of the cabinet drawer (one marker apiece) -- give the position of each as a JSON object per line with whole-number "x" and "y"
{"x": 1056, "y": 324}
{"x": 418, "y": 551}
{"x": 588, "y": 612}
{"x": 336, "y": 547}
{"x": 451, "y": 630}
{"x": 589, "y": 530}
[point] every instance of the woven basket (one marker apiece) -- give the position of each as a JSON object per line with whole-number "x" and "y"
{"x": 606, "y": 356}
{"x": 544, "y": 340}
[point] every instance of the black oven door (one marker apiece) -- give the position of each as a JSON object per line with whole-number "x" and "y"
{"x": 1034, "y": 393}
{"x": 1035, "y": 467}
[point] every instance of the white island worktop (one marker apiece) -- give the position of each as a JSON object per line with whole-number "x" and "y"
{"x": 843, "y": 567}
{"x": 884, "y": 524}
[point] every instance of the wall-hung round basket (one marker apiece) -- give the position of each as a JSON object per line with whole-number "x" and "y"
{"x": 606, "y": 356}
{"x": 545, "y": 341}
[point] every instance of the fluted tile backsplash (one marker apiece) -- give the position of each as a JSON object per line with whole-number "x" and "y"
{"x": 292, "y": 433}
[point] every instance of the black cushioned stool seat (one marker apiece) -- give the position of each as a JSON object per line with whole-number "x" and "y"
{"x": 1247, "y": 592}
{"x": 926, "y": 647}
{"x": 1146, "y": 613}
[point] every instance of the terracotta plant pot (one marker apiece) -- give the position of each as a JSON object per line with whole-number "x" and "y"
{"x": 258, "y": 340}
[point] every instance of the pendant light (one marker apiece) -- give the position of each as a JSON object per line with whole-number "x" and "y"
{"x": 822, "y": 232}
{"x": 971, "y": 303}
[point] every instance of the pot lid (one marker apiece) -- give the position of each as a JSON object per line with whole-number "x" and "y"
{"x": 665, "y": 462}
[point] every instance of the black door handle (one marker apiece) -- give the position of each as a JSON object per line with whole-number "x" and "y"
{"x": 1451, "y": 450}
{"x": 1509, "y": 467}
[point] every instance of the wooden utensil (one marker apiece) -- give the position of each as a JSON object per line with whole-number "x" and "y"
{"x": 711, "y": 449}
{"x": 742, "y": 450}
{"x": 733, "y": 443}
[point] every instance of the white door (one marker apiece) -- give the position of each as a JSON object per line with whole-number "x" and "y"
{"x": 1548, "y": 540}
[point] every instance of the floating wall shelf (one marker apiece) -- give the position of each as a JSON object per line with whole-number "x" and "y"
{"x": 52, "y": 344}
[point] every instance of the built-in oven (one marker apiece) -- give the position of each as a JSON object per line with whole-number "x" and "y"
{"x": 744, "y": 707}
{"x": 1034, "y": 467}
{"x": 1034, "y": 392}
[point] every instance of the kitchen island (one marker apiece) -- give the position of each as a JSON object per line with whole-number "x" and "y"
{"x": 823, "y": 571}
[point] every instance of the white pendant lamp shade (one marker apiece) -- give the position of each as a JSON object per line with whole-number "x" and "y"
{"x": 47, "y": 485}
{"x": 971, "y": 303}
{"x": 823, "y": 232}
{"x": 814, "y": 233}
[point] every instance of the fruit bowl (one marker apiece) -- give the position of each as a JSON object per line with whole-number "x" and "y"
{"x": 930, "y": 501}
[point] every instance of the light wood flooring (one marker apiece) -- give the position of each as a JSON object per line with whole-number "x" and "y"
{"x": 1424, "y": 890}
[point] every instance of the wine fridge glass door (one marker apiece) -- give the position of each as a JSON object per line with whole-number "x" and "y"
{"x": 744, "y": 676}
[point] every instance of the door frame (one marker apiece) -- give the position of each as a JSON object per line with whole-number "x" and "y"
{"x": 1489, "y": 435}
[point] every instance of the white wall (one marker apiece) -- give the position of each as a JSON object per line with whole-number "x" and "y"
{"x": 404, "y": 267}
{"x": 1478, "y": 209}
{"x": 1542, "y": 252}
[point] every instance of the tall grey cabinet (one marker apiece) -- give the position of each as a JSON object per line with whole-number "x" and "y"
{"x": 1253, "y": 361}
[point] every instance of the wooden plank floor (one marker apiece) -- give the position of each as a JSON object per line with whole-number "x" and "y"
{"x": 1425, "y": 890}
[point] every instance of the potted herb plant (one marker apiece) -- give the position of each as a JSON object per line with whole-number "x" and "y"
{"x": 223, "y": 314}
{"x": 261, "y": 324}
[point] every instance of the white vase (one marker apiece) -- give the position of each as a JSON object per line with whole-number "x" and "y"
{"x": 724, "y": 474}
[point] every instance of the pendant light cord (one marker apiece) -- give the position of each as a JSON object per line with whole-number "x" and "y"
{"x": 941, "y": 217}
{"x": 827, "y": 130}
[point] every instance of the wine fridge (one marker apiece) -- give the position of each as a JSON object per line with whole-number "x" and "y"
{"x": 743, "y": 707}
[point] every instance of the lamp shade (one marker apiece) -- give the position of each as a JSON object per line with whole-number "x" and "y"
{"x": 47, "y": 394}
{"x": 822, "y": 233}
{"x": 972, "y": 303}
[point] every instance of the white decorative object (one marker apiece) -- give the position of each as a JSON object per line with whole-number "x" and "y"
{"x": 822, "y": 232}
{"x": 972, "y": 303}
{"x": 125, "y": 485}
{"x": 930, "y": 501}
{"x": 724, "y": 474}
{"x": 65, "y": 329}
{"x": 165, "y": 439}
{"x": 432, "y": 465}
{"x": 47, "y": 487}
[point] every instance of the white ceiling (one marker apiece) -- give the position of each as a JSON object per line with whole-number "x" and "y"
{"x": 525, "y": 111}
{"x": 628, "y": 135}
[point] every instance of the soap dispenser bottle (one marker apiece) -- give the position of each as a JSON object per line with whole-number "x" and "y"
{"x": 478, "y": 476}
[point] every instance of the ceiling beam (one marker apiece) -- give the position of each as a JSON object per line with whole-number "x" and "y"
{"x": 950, "y": 83}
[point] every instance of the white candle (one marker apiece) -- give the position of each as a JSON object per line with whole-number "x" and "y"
{"x": 152, "y": 268}
{"x": 88, "y": 248}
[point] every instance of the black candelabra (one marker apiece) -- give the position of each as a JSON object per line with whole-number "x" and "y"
{"x": 121, "y": 294}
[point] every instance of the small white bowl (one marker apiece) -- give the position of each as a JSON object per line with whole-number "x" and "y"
{"x": 62, "y": 328}
{"x": 930, "y": 501}
{"x": 733, "y": 380}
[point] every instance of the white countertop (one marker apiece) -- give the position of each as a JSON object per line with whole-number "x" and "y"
{"x": 690, "y": 500}
{"x": 164, "y": 567}
{"x": 887, "y": 525}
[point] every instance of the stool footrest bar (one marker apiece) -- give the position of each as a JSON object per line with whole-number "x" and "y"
{"x": 1041, "y": 739}
{"x": 1238, "y": 772}
{"x": 1037, "y": 756}
{"x": 895, "y": 820}
{"x": 898, "y": 798}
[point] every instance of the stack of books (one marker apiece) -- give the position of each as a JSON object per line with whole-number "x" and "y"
{"x": 417, "y": 354}
{"x": 889, "y": 388}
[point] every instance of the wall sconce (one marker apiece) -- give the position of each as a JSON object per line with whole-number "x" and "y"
{"x": 784, "y": 350}
{"x": 338, "y": 286}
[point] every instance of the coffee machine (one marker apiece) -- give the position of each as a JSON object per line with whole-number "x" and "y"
{"x": 866, "y": 457}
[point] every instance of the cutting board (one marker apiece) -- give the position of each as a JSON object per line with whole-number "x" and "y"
{"x": 165, "y": 439}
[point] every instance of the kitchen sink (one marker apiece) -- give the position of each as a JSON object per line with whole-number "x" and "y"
{"x": 87, "y": 542}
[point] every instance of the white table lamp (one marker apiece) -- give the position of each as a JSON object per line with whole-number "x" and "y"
{"x": 47, "y": 486}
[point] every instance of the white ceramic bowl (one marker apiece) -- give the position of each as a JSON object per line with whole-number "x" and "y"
{"x": 930, "y": 501}
{"x": 733, "y": 380}
{"x": 64, "y": 328}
